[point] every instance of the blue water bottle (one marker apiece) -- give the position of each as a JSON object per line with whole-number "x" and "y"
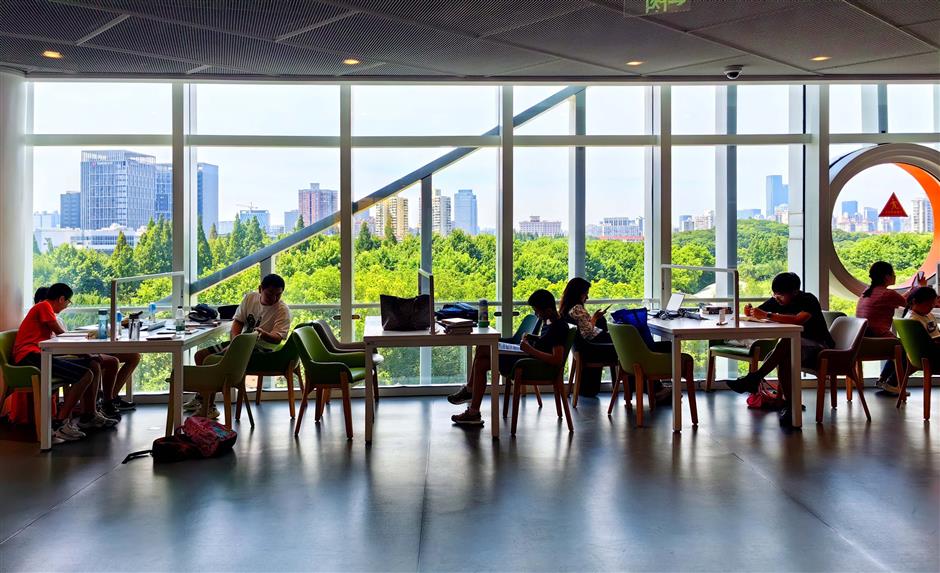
{"x": 153, "y": 312}
{"x": 102, "y": 324}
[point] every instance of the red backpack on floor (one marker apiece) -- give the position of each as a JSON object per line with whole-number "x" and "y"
{"x": 767, "y": 397}
{"x": 212, "y": 438}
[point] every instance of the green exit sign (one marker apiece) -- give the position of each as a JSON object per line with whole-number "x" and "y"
{"x": 667, "y": 6}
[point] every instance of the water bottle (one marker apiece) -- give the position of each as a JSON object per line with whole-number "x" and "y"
{"x": 153, "y": 312}
{"x": 119, "y": 317}
{"x": 484, "y": 321}
{"x": 180, "y": 321}
{"x": 102, "y": 324}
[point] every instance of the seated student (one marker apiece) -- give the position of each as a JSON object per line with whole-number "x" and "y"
{"x": 113, "y": 375}
{"x": 549, "y": 347}
{"x": 877, "y": 304}
{"x": 923, "y": 301}
{"x": 81, "y": 373}
{"x": 592, "y": 328}
{"x": 263, "y": 312}
{"x": 789, "y": 305}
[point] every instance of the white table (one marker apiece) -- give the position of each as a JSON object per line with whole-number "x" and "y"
{"x": 680, "y": 329}
{"x": 71, "y": 345}
{"x": 376, "y": 337}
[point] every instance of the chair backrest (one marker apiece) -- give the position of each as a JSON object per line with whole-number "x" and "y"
{"x": 915, "y": 339}
{"x": 847, "y": 332}
{"x": 326, "y": 334}
{"x": 630, "y": 346}
{"x": 830, "y": 317}
{"x": 529, "y": 322}
{"x": 235, "y": 360}
{"x": 7, "y": 338}
{"x": 310, "y": 346}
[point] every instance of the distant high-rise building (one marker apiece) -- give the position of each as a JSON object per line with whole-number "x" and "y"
{"x": 395, "y": 211}
{"x": 850, "y": 208}
{"x": 749, "y": 213}
{"x": 441, "y": 222}
{"x": 871, "y": 214}
{"x": 921, "y": 216}
{"x": 46, "y": 220}
{"x": 685, "y": 223}
{"x": 262, "y": 215}
{"x": 777, "y": 194}
{"x": 618, "y": 228}
{"x": 539, "y": 228}
{"x": 207, "y": 193}
{"x": 290, "y": 219}
{"x": 704, "y": 222}
{"x": 118, "y": 187}
{"x": 465, "y": 211}
{"x": 70, "y": 210}
{"x": 315, "y": 203}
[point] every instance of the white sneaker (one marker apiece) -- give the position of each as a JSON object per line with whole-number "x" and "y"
{"x": 212, "y": 413}
{"x": 194, "y": 405}
{"x": 96, "y": 422}
{"x": 68, "y": 432}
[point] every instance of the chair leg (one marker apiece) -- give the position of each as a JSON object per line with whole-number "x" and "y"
{"x": 244, "y": 392}
{"x": 169, "y": 414}
{"x": 570, "y": 390}
{"x": 347, "y": 408}
{"x": 37, "y": 419}
{"x": 239, "y": 398}
{"x": 710, "y": 372}
{"x": 650, "y": 394}
{"x": 303, "y": 408}
{"x": 614, "y": 392}
{"x": 516, "y": 396}
{"x": 507, "y": 396}
{"x": 858, "y": 374}
{"x": 538, "y": 395}
{"x": 375, "y": 384}
{"x": 576, "y": 364}
{"x": 258, "y": 390}
{"x": 860, "y": 386}
{"x": 290, "y": 389}
{"x": 319, "y": 409}
{"x": 640, "y": 381}
{"x": 227, "y": 404}
{"x": 833, "y": 390}
{"x": 927, "y": 383}
{"x": 690, "y": 389}
{"x": 559, "y": 390}
{"x": 821, "y": 377}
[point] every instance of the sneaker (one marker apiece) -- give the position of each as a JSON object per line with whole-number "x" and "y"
{"x": 786, "y": 417}
{"x": 467, "y": 418}
{"x": 61, "y": 436}
{"x": 212, "y": 413}
{"x": 461, "y": 396}
{"x": 69, "y": 432}
{"x": 888, "y": 388}
{"x": 56, "y": 440}
{"x": 663, "y": 396}
{"x": 193, "y": 405}
{"x": 95, "y": 421}
{"x": 109, "y": 410}
{"x": 749, "y": 383}
{"x": 122, "y": 404}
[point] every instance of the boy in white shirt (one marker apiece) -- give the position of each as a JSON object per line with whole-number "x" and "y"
{"x": 263, "y": 312}
{"x": 922, "y": 303}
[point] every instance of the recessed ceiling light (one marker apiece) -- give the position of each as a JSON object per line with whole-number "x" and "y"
{"x": 820, "y": 58}
{"x": 350, "y": 61}
{"x": 634, "y": 63}
{"x": 52, "y": 54}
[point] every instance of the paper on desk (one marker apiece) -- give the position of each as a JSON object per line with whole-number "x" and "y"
{"x": 754, "y": 319}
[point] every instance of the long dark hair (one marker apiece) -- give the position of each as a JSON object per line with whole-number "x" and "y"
{"x": 574, "y": 290}
{"x": 878, "y": 273}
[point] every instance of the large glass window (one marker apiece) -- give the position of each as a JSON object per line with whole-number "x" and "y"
{"x": 616, "y": 110}
{"x": 693, "y": 219}
{"x": 693, "y": 110}
{"x": 555, "y": 121}
{"x": 424, "y": 110}
{"x": 263, "y": 109}
{"x": 74, "y": 107}
{"x": 846, "y": 109}
{"x": 913, "y": 108}
{"x": 764, "y": 109}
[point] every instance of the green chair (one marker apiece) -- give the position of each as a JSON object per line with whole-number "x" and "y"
{"x": 533, "y": 372}
{"x": 529, "y": 324}
{"x": 282, "y": 361}
{"x": 334, "y": 345}
{"x": 221, "y": 376}
{"x": 647, "y": 366}
{"x": 751, "y": 354}
{"x": 20, "y": 378}
{"x": 324, "y": 370}
{"x": 921, "y": 354}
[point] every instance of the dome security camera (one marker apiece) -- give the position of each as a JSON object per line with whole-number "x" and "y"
{"x": 733, "y": 72}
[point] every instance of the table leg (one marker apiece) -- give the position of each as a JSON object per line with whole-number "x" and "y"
{"x": 370, "y": 395}
{"x": 45, "y": 397}
{"x": 176, "y": 389}
{"x": 494, "y": 389}
{"x": 796, "y": 386}
{"x": 676, "y": 385}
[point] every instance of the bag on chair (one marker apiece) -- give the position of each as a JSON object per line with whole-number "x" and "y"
{"x": 767, "y": 397}
{"x": 638, "y": 318}
{"x": 405, "y": 313}
{"x": 210, "y": 437}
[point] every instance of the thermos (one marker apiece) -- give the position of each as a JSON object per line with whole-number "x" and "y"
{"x": 484, "y": 321}
{"x": 102, "y": 324}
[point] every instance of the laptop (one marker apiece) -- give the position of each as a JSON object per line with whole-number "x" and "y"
{"x": 675, "y": 303}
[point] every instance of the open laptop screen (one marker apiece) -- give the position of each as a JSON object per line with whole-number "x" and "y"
{"x": 675, "y": 302}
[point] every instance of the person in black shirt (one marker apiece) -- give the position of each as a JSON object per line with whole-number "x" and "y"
{"x": 548, "y": 347}
{"x": 789, "y": 305}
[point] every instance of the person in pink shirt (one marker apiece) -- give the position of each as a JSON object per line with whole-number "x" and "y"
{"x": 877, "y": 304}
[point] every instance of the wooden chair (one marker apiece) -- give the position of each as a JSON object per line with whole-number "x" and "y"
{"x": 872, "y": 349}
{"x": 921, "y": 355}
{"x": 647, "y": 366}
{"x": 530, "y": 323}
{"x": 532, "y": 372}
{"x": 579, "y": 363}
{"x": 840, "y": 361}
{"x": 751, "y": 354}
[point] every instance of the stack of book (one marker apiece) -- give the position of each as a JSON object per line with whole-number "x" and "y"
{"x": 457, "y": 325}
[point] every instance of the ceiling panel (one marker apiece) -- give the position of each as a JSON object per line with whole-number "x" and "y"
{"x": 390, "y": 70}
{"x": 563, "y": 68}
{"x": 704, "y": 13}
{"x": 367, "y": 37}
{"x": 259, "y": 18}
{"x": 903, "y": 12}
{"x": 927, "y": 63}
{"x": 34, "y": 18}
{"x": 753, "y": 66}
{"x": 83, "y": 59}
{"x": 796, "y": 35}
{"x": 930, "y": 31}
{"x": 601, "y": 37}
{"x": 473, "y": 16}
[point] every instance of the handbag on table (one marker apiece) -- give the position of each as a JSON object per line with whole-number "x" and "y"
{"x": 405, "y": 313}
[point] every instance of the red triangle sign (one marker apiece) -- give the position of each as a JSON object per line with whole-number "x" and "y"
{"x": 893, "y": 208}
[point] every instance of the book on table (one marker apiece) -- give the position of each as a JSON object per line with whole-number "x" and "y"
{"x": 457, "y": 325}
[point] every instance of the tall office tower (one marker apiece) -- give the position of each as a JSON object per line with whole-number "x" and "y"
{"x": 850, "y": 208}
{"x": 539, "y": 228}
{"x": 290, "y": 220}
{"x": 871, "y": 214}
{"x": 315, "y": 203}
{"x": 777, "y": 194}
{"x": 394, "y": 210}
{"x": 441, "y": 214}
{"x": 262, "y": 215}
{"x": 207, "y": 193}
{"x": 685, "y": 223}
{"x": 118, "y": 187}
{"x": 921, "y": 216}
{"x": 70, "y": 210}
{"x": 465, "y": 212}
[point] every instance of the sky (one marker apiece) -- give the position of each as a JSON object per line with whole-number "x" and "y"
{"x": 269, "y": 178}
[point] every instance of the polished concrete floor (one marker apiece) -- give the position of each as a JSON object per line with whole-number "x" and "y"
{"x": 738, "y": 494}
